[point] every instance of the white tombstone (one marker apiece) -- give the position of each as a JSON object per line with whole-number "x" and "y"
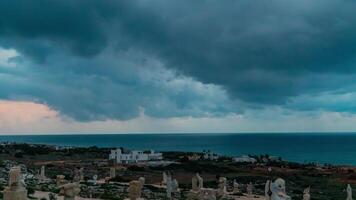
{"x": 197, "y": 186}
{"x": 349, "y": 192}
{"x": 81, "y": 174}
{"x": 16, "y": 189}
{"x": 175, "y": 187}
{"x": 222, "y": 190}
{"x": 112, "y": 172}
{"x": 95, "y": 179}
{"x": 249, "y": 189}
{"x": 306, "y": 193}
{"x": 164, "y": 178}
{"x": 200, "y": 181}
{"x": 43, "y": 173}
{"x": 169, "y": 186}
{"x": 278, "y": 189}
{"x": 197, "y": 182}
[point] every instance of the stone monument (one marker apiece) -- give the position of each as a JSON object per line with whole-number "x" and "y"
{"x": 249, "y": 189}
{"x": 135, "y": 189}
{"x": 175, "y": 187}
{"x": 69, "y": 190}
{"x": 306, "y": 194}
{"x": 169, "y": 185}
{"x": 236, "y": 187}
{"x": 95, "y": 179}
{"x": 197, "y": 186}
{"x": 16, "y": 189}
{"x": 42, "y": 175}
{"x": 164, "y": 178}
{"x": 222, "y": 190}
{"x": 197, "y": 182}
{"x": 349, "y": 192}
{"x": 207, "y": 194}
{"x": 60, "y": 180}
{"x": 81, "y": 174}
{"x": 112, "y": 172}
{"x": 278, "y": 189}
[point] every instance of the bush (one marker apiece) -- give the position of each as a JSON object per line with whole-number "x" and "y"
{"x": 18, "y": 155}
{"x": 30, "y": 191}
{"x": 136, "y": 168}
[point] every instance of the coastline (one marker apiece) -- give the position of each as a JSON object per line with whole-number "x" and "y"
{"x": 338, "y": 149}
{"x": 95, "y": 161}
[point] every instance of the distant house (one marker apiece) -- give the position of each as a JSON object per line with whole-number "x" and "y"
{"x": 59, "y": 148}
{"x": 208, "y": 155}
{"x": 275, "y": 158}
{"x": 194, "y": 157}
{"x": 133, "y": 156}
{"x": 244, "y": 158}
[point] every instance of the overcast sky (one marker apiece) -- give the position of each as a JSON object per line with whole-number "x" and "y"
{"x": 177, "y": 66}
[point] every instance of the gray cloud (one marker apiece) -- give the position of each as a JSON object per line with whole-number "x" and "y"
{"x": 260, "y": 53}
{"x": 112, "y": 86}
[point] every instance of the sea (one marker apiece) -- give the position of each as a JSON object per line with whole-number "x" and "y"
{"x": 322, "y": 148}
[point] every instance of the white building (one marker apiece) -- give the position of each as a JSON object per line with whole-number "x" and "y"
{"x": 133, "y": 156}
{"x": 244, "y": 158}
{"x": 208, "y": 155}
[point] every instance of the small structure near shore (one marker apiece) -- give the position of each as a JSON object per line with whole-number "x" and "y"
{"x": 16, "y": 189}
{"x": 133, "y": 156}
{"x": 208, "y": 155}
{"x": 244, "y": 159}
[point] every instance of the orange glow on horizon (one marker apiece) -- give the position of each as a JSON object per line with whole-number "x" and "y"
{"x": 20, "y": 112}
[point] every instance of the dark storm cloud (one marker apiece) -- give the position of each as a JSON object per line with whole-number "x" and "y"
{"x": 76, "y": 25}
{"x": 260, "y": 52}
{"x": 104, "y": 87}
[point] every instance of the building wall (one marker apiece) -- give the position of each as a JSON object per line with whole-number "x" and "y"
{"x": 133, "y": 156}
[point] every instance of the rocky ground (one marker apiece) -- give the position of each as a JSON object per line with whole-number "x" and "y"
{"x": 327, "y": 182}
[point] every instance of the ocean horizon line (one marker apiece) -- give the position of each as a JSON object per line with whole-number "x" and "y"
{"x": 187, "y": 133}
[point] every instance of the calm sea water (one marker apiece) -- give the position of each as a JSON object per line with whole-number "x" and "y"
{"x": 301, "y": 147}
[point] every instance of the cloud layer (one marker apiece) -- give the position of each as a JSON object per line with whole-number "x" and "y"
{"x": 100, "y": 60}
